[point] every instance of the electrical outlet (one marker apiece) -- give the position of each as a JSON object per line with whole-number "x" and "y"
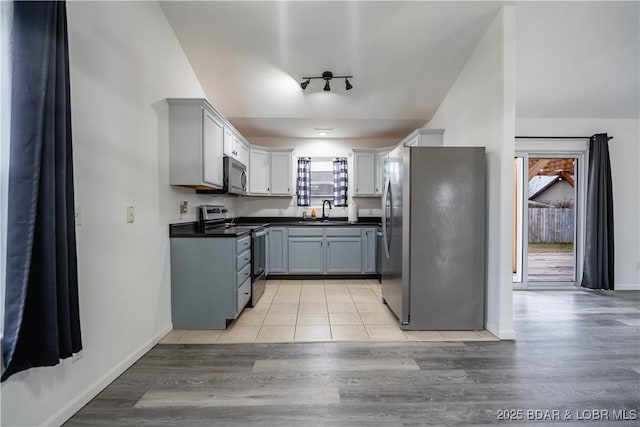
{"x": 280, "y": 212}
{"x": 78, "y": 215}
{"x": 131, "y": 214}
{"x": 184, "y": 207}
{"x": 370, "y": 212}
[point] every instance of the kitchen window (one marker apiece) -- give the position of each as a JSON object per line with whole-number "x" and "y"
{"x": 322, "y": 178}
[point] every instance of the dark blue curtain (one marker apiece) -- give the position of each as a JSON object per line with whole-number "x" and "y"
{"x": 41, "y": 324}
{"x": 599, "y": 243}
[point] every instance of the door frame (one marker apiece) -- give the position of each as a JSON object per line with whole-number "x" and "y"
{"x": 553, "y": 149}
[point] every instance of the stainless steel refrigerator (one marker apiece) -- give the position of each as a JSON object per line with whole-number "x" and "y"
{"x": 433, "y": 223}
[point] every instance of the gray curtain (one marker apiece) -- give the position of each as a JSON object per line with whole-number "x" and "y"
{"x": 340, "y": 182}
{"x": 599, "y": 242}
{"x": 41, "y": 316}
{"x": 303, "y": 182}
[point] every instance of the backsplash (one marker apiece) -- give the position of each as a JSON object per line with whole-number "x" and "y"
{"x": 286, "y": 207}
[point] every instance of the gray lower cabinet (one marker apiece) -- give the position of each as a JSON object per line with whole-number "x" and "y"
{"x": 210, "y": 281}
{"x": 344, "y": 255}
{"x": 277, "y": 250}
{"x": 369, "y": 258}
{"x": 306, "y": 255}
{"x": 330, "y": 250}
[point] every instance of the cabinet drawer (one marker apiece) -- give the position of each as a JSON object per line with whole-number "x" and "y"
{"x": 243, "y": 274}
{"x": 242, "y": 244}
{"x": 306, "y": 231}
{"x": 243, "y": 296}
{"x": 344, "y": 231}
{"x": 243, "y": 259}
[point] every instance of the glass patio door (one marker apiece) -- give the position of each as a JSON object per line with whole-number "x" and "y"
{"x": 547, "y": 201}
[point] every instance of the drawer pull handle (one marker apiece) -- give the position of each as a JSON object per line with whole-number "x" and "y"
{"x": 246, "y": 259}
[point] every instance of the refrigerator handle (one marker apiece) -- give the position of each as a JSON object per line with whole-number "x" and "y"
{"x": 386, "y": 195}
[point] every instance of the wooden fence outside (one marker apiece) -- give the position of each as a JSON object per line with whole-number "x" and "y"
{"x": 551, "y": 225}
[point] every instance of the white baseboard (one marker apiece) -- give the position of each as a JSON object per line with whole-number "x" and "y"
{"x": 627, "y": 286}
{"x": 501, "y": 334}
{"x": 76, "y": 404}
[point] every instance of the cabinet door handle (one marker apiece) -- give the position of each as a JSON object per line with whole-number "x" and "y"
{"x": 246, "y": 259}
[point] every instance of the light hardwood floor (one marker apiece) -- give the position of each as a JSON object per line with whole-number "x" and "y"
{"x": 577, "y": 352}
{"x": 319, "y": 310}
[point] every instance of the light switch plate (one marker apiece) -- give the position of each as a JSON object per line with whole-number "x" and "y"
{"x": 78, "y": 215}
{"x": 131, "y": 214}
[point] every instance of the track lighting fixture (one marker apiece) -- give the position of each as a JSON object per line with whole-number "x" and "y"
{"x": 327, "y": 75}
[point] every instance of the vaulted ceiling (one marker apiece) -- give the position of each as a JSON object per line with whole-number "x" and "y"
{"x": 250, "y": 58}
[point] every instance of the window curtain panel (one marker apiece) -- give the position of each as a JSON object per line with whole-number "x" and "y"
{"x": 303, "y": 183}
{"x": 41, "y": 320}
{"x": 340, "y": 182}
{"x": 599, "y": 243}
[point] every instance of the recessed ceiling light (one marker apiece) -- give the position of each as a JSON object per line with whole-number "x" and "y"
{"x": 323, "y": 131}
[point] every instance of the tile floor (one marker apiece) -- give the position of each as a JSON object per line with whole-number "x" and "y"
{"x": 318, "y": 310}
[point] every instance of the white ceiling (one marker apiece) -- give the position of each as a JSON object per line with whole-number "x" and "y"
{"x": 250, "y": 58}
{"x": 578, "y": 59}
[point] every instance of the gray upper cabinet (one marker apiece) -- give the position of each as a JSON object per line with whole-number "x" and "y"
{"x": 244, "y": 156}
{"x": 229, "y": 148}
{"x": 259, "y": 171}
{"x": 281, "y": 173}
{"x": 364, "y": 168}
{"x": 196, "y": 134}
{"x": 270, "y": 172}
{"x": 212, "y": 150}
{"x": 424, "y": 138}
{"x": 277, "y": 250}
{"x": 380, "y": 165}
{"x": 369, "y": 239}
{"x": 306, "y": 255}
{"x": 344, "y": 255}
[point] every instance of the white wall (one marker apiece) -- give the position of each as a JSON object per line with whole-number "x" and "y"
{"x": 124, "y": 60}
{"x": 479, "y": 110}
{"x": 286, "y": 206}
{"x": 624, "y": 150}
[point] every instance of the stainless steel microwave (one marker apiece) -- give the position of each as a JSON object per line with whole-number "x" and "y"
{"x": 235, "y": 176}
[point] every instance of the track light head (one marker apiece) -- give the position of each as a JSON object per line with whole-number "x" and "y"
{"x": 327, "y": 88}
{"x": 347, "y": 85}
{"x": 305, "y": 83}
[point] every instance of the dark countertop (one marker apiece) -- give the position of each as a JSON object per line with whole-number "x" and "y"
{"x": 298, "y": 222}
{"x": 244, "y": 225}
{"x": 191, "y": 229}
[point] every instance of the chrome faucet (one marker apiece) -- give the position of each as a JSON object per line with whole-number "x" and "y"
{"x": 327, "y": 217}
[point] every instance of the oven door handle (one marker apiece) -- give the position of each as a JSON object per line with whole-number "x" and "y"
{"x": 260, "y": 233}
